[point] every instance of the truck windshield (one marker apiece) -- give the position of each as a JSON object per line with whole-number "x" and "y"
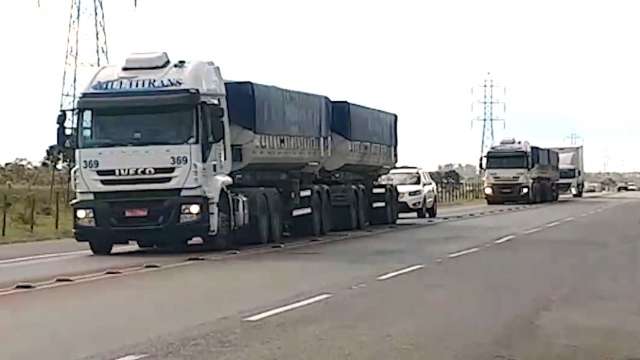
{"x": 506, "y": 161}
{"x": 400, "y": 179}
{"x": 567, "y": 173}
{"x": 158, "y": 125}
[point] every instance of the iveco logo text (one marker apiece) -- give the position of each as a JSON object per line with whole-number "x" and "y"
{"x": 133, "y": 172}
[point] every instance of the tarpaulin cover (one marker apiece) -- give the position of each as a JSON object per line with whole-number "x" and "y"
{"x": 359, "y": 123}
{"x": 274, "y": 111}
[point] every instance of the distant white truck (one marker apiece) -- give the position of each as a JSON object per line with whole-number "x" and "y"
{"x": 571, "y": 170}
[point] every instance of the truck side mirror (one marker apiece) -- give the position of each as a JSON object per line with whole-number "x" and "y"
{"x": 480, "y": 164}
{"x": 219, "y": 112}
{"x": 61, "y": 133}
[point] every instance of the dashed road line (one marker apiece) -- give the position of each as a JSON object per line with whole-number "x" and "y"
{"x": 505, "y": 239}
{"x": 552, "y": 224}
{"x": 399, "y": 272}
{"x": 133, "y": 357}
{"x": 289, "y": 307}
{"x": 531, "y": 231}
{"x": 463, "y": 252}
{"x": 569, "y": 219}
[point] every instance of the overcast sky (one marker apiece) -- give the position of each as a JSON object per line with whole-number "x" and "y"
{"x": 568, "y": 66}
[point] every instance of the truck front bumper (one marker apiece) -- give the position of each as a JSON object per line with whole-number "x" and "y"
{"x": 161, "y": 225}
{"x": 501, "y": 193}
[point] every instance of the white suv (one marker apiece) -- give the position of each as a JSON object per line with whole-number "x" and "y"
{"x": 416, "y": 191}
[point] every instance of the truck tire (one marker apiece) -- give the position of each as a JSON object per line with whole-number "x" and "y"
{"x": 260, "y": 221}
{"x": 422, "y": 212}
{"x": 395, "y": 206}
{"x": 362, "y": 210}
{"x": 433, "y": 210}
{"x": 223, "y": 240}
{"x": 100, "y": 246}
{"x": 316, "y": 215}
{"x": 275, "y": 223}
{"x": 146, "y": 244}
{"x": 326, "y": 212}
{"x": 311, "y": 224}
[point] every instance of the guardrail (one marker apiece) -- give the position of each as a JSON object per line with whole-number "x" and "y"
{"x": 453, "y": 193}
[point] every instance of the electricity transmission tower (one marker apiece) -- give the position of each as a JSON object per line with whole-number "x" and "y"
{"x": 489, "y": 102}
{"x": 573, "y": 138}
{"x": 86, "y": 49}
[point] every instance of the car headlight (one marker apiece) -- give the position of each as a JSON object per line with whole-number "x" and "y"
{"x": 190, "y": 212}
{"x": 488, "y": 190}
{"x": 415, "y": 193}
{"x": 524, "y": 190}
{"x": 85, "y": 217}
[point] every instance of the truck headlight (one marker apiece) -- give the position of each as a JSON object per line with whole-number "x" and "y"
{"x": 85, "y": 217}
{"x": 524, "y": 190}
{"x": 415, "y": 193}
{"x": 190, "y": 212}
{"x": 488, "y": 190}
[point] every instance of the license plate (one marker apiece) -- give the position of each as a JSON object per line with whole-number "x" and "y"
{"x": 136, "y": 212}
{"x": 506, "y": 190}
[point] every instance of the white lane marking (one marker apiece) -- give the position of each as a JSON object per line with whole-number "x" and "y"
{"x": 43, "y": 256}
{"x": 378, "y": 204}
{"x": 133, "y": 357}
{"x": 583, "y": 215}
{"x": 299, "y": 212}
{"x": 531, "y": 231}
{"x": 552, "y": 224}
{"x": 289, "y": 307}
{"x": 47, "y": 257}
{"x": 399, "y": 272}
{"x": 464, "y": 252}
{"x": 569, "y": 219}
{"x": 505, "y": 239}
{"x": 379, "y": 190}
{"x": 305, "y": 193}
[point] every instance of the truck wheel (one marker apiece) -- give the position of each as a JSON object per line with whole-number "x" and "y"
{"x": 315, "y": 220}
{"x": 223, "y": 240}
{"x": 433, "y": 210}
{"x": 326, "y": 213}
{"x": 146, "y": 244}
{"x": 260, "y": 221}
{"x": 311, "y": 224}
{"x": 100, "y": 246}
{"x": 275, "y": 225}
{"x": 395, "y": 207}
{"x": 422, "y": 212}
{"x": 362, "y": 210}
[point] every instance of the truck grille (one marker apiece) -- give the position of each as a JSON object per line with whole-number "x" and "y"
{"x": 156, "y": 171}
{"x": 139, "y": 181}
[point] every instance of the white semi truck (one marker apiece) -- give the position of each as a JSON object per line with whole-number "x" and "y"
{"x": 168, "y": 151}
{"x": 519, "y": 172}
{"x": 571, "y": 170}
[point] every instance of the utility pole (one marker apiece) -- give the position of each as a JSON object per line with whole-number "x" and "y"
{"x": 573, "y": 138}
{"x": 488, "y": 101}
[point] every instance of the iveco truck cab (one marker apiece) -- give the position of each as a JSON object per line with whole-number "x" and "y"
{"x": 519, "y": 172}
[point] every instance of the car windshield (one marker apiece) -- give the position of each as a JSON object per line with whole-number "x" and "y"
{"x": 400, "y": 179}
{"x": 158, "y": 125}
{"x": 506, "y": 161}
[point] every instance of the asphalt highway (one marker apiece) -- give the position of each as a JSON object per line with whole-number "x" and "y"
{"x": 553, "y": 281}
